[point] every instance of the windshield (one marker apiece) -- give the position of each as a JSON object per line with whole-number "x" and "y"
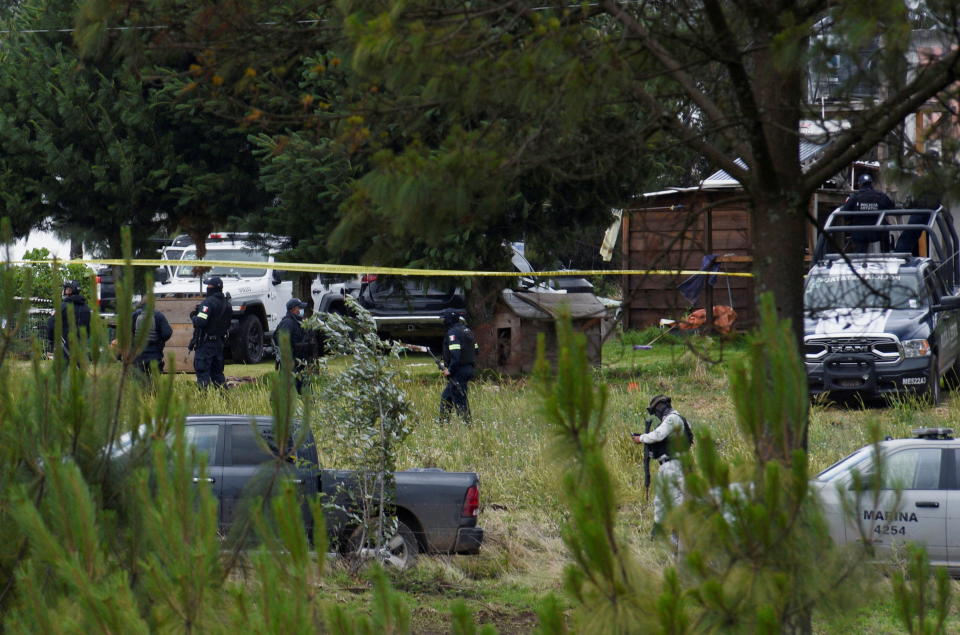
{"x": 240, "y": 254}
{"x": 862, "y": 291}
{"x": 843, "y": 466}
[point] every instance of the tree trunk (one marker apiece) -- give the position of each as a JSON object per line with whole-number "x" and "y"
{"x": 481, "y": 303}
{"x": 779, "y": 267}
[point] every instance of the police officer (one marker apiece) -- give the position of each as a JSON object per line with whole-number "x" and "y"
{"x": 159, "y": 332}
{"x": 866, "y": 199}
{"x": 81, "y": 316}
{"x": 301, "y": 346}
{"x": 459, "y": 354}
{"x": 666, "y": 442}
{"x": 210, "y": 325}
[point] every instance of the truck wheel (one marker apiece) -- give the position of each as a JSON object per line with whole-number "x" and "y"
{"x": 247, "y": 344}
{"x": 400, "y": 553}
{"x": 403, "y": 549}
{"x": 933, "y": 382}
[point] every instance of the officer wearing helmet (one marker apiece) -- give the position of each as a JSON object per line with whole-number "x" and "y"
{"x": 459, "y": 355}
{"x": 301, "y": 345}
{"x": 211, "y": 321}
{"x": 73, "y": 301}
{"x": 866, "y": 199}
{"x": 666, "y": 442}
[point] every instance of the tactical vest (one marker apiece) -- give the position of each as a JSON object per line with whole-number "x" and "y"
{"x": 674, "y": 444}
{"x": 468, "y": 346}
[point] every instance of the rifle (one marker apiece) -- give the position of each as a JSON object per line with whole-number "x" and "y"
{"x": 195, "y": 339}
{"x": 646, "y": 460}
{"x": 426, "y": 349}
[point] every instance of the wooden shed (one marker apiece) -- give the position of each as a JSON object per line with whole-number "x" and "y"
{"x": 520, "y": 317}
{"x": 675, "y": 229}
{"x": 177, "y": 311}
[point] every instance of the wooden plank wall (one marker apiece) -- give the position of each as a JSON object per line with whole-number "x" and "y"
{"x": 668, "y": 239}
{"x": 177, "y": 312}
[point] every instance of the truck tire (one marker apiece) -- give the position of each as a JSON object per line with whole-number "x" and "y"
{"x": 246, "y": 346}
{"x": 402, "y": 548}
{"x": 933, "y": 382}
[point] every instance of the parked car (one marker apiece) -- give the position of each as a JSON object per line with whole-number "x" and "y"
{"x": 436, "y": 511}
{"x": 882, "y": 323}
{"x": 919, "y": 496}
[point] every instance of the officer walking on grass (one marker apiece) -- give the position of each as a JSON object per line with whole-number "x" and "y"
{"x": 665, "y": 444}
{"x": 81, "y": 317}
{"x": 210, "y": 325}
{"x": 301, "y": 346}
{"x": 459, "y": 355}
{"x": 159, "y": 332}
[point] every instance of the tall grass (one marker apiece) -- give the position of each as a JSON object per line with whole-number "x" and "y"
{"x": 508, "y": 443}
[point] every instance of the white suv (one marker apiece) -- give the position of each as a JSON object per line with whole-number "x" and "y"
{"x": 258, "y": 293}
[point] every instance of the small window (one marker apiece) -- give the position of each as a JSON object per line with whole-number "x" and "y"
{"x": 204, "y": 439}
{"x": 245, "y": 447}
{"x": 913, "y": 469}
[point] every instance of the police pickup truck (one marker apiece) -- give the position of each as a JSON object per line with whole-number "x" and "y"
{"x": 436, "y": 511}
{"x": 258, "y": 293}
{"x": 886, "y": 322}
{"x": 916, "y": 497}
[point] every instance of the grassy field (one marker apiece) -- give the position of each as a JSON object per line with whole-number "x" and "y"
{"x": 509, "y": 445}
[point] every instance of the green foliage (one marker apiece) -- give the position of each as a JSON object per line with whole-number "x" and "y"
{"x": 41, "y": 280}
{"x": 769, "y": 389}
{"x": 366, "y": 414}
{"x": 755, "y": 553}
{"x": 922, "y": 610}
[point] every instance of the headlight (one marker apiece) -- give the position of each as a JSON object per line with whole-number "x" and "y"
{"x": 916, "y": 348}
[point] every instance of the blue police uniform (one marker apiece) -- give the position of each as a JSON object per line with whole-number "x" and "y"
{"x": 459, "y": 355}
{"x": 159, "y": 332}
{"x": 210, "y": 324}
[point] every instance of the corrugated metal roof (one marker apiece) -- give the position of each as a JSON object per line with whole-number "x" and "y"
{"x": 720, "y": 179}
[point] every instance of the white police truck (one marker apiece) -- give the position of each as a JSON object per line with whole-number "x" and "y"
{"x": 257, "y": 292}
{"x": 898, "y": 491}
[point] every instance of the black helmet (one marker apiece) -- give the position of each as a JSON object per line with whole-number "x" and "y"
{"x": 73, "y": 285}
{"x": 294, "y": 303}
{"x": 214, "y": 282}
{"x": 656, "y": 402}
{"x": 865, "y": 180}
{"x": 450, "y": 316}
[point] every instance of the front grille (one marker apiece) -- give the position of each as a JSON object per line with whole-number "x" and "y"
{"x": 880, "y": 349}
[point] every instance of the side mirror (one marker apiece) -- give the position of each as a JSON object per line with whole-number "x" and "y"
{"x": 162, "y": 275}
{"x": 275, "y": 277}
{"x": 948, "y": 303}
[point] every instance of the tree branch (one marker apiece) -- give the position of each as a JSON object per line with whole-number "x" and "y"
{"x": 676, "y": 71}
{"x": 879, "y": 120}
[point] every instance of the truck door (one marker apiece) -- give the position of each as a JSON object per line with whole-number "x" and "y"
{"x": 946, "y": 325}
{"x": 920, "y": 512}
{"x": 250, "y": 471}
{"x": 206, "y": 439}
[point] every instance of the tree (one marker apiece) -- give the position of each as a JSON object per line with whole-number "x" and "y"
{"x": 87, "y": 142}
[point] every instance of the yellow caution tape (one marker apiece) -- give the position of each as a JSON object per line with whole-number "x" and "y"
{"x": 394, "y": 271}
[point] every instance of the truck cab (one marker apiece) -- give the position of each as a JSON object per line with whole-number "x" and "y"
{"x": 885, "y": 322}
{"x": 257, "y": 292}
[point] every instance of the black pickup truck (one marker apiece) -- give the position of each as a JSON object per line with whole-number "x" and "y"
{"x": 436, "y": 510}
{"x": 886, "y": 321}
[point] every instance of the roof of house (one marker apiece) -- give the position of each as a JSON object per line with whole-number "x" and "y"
{"x": 720, "y": 180}
{"x": 547, "y": 306}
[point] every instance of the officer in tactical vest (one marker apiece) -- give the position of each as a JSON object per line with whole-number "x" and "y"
{"x": 665, "y": 443}
{"x": 159, "y": 332}
{"x": 80, "y": 323}
{"x": 459, "y": 354}
{"x": 211, "y": 322}
{"x": 301, "y": 342}
{"x": 867, "y": 199}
